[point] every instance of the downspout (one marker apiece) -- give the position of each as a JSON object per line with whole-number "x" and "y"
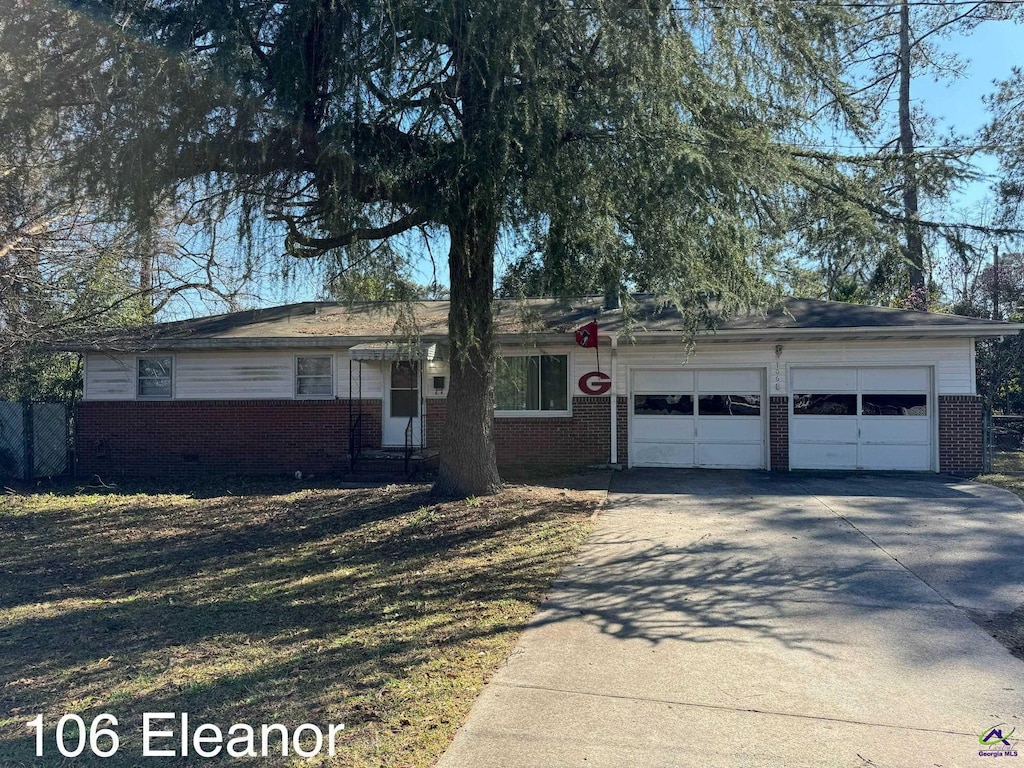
{"x": 615, "y": 405}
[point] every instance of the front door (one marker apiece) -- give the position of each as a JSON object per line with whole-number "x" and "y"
{"x": 402, "y": 402}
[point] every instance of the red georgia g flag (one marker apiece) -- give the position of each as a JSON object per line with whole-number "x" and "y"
{"x": 586, "y": 336}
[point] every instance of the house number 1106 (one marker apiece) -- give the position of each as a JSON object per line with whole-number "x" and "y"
{"x": 71, "y": 741}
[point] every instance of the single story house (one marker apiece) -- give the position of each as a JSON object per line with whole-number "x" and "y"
{"x": 809, "y": 385}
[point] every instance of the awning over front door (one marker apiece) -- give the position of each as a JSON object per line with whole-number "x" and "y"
{"x": 385, "y": 350}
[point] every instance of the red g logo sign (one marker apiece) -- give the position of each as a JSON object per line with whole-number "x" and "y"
{"x": 595, "y": 383}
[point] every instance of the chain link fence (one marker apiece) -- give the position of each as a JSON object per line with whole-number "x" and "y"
{"x": 36, "y": 440}
{"x": 1004, "y": 443}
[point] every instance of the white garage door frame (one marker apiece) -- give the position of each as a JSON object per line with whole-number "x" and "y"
{"x": 760, "y": 370}
{"x": 930, "y": 390}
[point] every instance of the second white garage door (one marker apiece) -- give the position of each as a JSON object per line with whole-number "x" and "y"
{"x": 861, "y": 418}
{"x": 708, "y": 418}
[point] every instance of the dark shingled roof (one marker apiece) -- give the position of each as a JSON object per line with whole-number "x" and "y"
{"x": 319, "y": 322}
{"x": 812, "y": 313}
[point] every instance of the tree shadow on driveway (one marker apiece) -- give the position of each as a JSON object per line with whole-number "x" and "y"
{"x": 767, "y": 540}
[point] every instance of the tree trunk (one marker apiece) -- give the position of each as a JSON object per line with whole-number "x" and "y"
{"x": 915, "y": 243}
{"x": 468, "y": 466}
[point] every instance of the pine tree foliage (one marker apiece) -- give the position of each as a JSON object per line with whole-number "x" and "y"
{"x": 889, "y": 202}
{"x": 1005, "y": 137}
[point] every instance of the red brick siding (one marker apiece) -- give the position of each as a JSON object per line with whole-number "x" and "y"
{"x": 562, "y": 443}
{"x": 961, "y": 448}
{"x": 778, "y": 433}
{"x": 193, "y": 436}
{"x": 549, "y": 442}
{"x": 436, "y": 412}
{"x": 622, "y": 446}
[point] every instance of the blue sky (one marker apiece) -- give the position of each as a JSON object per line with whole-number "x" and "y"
{"x": 992, "y": 50}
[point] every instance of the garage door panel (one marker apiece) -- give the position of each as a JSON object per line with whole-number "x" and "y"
{"x": 824, "y": 380}
{"x": 823, "y": 429}
{"x": 823, "y": 455}
{"x": 895, "y": 457}
{"x": 670, "y": 382}
{"x": 889, "y": 422}
{"x": 895, "y": 430}
{"x": 894, "y": 379}
{"x": 725, "y": 429}
{"x": 726, "y": 382}
{"x": 659, "y": 437}
{"x": 733, "y": 455}
{"x": 663, "y": 454}
{"x": 663, "y": 429}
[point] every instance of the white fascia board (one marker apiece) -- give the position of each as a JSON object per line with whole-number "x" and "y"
{"x": 644, "y": 337}
{"x": 866, "y": 333}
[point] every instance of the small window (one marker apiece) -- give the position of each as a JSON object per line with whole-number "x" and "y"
{"x": 894, "y": 405}
{"x": 729, "y": 405}
{"x": 314, "y": 376}
{"x": 155, "y": 376}
{"x": 663, "y": 405}
{"x": 532, "y": 383}
{"x": 824, "y": 405}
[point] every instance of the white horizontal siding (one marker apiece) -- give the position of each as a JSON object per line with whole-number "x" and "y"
{"x": 951, "y": 357}
{"x": 371, "y": 376}
{"x": 109, "y": 377}
{"x": 225, "y": 375}
{"x": 255, "y": 374}
{"x": 436, "y": 368}
{"x": 233, "y": 375}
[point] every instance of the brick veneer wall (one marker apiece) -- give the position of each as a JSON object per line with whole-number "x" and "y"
{"x": 194, "y": 436}
{"x": 778, "y": 433}
{"x": 622, "y": 444}
{"x": 549, "y": 442}
{"x": 961, "y": 444}
{"x": 435, "y": 412}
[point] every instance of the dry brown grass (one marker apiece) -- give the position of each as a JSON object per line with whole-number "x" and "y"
{"x": 377, "y": 608}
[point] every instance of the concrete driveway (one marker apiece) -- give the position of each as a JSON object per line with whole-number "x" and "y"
{"x": 744, "y": 619}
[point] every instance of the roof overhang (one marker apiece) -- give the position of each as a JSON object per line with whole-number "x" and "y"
{"x": 861, "y": 333}
{"x": 123, "y": 344}
{"x": 779, "y": 335}
{"x": 393, "y": 351}
{"x": 428, "y": 347}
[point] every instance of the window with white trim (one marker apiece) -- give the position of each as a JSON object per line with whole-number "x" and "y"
{"x": 538, "y": 383}
{"x": 314, "y": 376}
{"x": 154, "y": 376}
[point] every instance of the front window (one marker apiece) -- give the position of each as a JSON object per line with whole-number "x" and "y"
{"x": 314, "y": 376}
{"x": 154, "y": 376}
{"x": 532, "y": 383}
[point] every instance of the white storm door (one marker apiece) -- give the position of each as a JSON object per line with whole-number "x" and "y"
{"x": 402, "y": 403}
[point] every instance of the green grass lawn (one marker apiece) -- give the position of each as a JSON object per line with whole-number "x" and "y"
{"x": 377, "y": 608}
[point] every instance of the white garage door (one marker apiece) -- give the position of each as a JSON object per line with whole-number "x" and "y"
{"x": 697, "y": 419}
{"x": 860, "y": 418}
